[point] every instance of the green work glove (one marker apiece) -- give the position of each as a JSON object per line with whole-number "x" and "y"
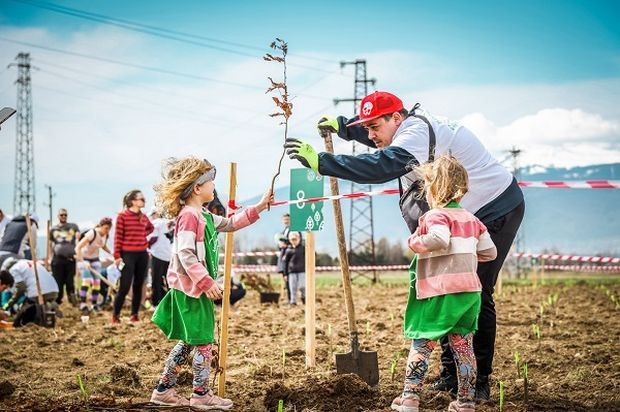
{"x": 327, "y": 124}
{"x": 302, "y": 151}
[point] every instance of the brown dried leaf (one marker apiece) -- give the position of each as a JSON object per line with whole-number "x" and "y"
{"x": 276, "y": 114}
{"x": 274, "y": 58}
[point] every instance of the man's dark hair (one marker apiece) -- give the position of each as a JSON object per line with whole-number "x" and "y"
{"x": 6, "y": 278}
{"x": 286, "y": 215}
{"x": 403, "y": 112}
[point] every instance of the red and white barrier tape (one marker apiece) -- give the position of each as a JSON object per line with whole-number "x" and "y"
{"x": 570, "y": 258}
{"x": 243, "y": 254}
{"x": 586, "y": 184}
{"x": 274, "y": 269}
{"x": 583, "y": 268}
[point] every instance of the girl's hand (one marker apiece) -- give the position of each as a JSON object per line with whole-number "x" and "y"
{"x": 214, "y": 292}
{"x": 267, "y": 199}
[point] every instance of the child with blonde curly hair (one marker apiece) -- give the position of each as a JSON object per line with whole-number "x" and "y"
{"x": 444, "y": 297}
{"x": 186, "y": 312}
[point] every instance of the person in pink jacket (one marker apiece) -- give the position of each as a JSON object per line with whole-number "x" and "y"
{"x": 444, "y": 296}
{"x": 186, "y": 312}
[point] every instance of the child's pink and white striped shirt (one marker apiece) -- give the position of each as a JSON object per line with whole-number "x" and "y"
{"x": 450, "y": 242}
{"x": 187, "y": 271}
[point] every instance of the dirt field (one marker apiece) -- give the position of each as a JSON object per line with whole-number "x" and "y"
{"x": 573, "y": 366}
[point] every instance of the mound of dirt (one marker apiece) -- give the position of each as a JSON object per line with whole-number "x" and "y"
{"x": 124, "y": 375}
{"x": 339, "y": 392}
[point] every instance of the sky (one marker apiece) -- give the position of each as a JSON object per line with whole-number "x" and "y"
{"x": 109, "y": 104}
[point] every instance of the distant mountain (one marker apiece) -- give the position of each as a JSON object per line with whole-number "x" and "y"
{"x": 574, "y": 221}
{"x": 593, "y": 172}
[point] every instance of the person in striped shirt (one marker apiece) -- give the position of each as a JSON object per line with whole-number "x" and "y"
{"x": 444, "y": 296}
{"x": 130, "y": 255}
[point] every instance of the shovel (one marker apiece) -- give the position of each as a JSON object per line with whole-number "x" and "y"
{"x": 364, "y": 364}
{"x": 44, "y": 316}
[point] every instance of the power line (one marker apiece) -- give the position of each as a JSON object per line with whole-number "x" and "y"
{"x": 169, "y": 34}
{"x": 143, "y": 67}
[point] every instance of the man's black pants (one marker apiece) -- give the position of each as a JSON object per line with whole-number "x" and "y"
{"x": 503, "y": 231}
{"x": 63, "y": 270}
{"x": 159, "y": 268}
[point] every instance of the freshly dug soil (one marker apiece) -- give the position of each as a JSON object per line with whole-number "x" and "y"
{"x": 574, "y": 365}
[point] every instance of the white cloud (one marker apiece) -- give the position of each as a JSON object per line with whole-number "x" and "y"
{"x": 561, "y": 137}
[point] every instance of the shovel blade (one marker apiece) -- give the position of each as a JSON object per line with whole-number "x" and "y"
{"x": 365, "y": 365}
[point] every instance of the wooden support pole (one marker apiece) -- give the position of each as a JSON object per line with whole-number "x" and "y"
{"x": 228, "y": 251}
{"x": 310, "y": 302}
{"x": 33, "y": 252}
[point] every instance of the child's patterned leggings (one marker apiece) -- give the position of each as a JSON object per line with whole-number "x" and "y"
{"x": 201, "y": 362}
{"x": 463, "y": 351}
{"x": 89, "y": 281}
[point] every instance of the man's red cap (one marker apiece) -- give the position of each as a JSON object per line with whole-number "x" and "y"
{"x": 376, "y": 105}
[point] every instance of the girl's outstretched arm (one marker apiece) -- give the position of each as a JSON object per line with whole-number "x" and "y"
{"x": 245, "y": 218}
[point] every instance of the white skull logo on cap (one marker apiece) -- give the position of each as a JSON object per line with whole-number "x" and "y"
{"x": 367, "y": 108}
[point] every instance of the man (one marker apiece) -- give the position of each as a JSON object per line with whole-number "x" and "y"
{"x": 4, "y": 220}
{"x": 64, "y": 237}
{"x": 15, "y": 240}
{"x": 404, "y": 141}
{"x": 22, "y": 272}
{"x": 282, "y": 244}
{"x": 160, "y": 246}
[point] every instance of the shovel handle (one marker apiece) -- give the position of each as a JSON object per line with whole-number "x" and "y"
{"x": 103, "y": 278}
{"x": 33, "y": 252}
{"x": 342, "y": 246}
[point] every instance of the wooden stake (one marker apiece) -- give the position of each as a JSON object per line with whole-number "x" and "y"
{"x": 310, "y": 302}
{"x": 33, "y": 252}
{"x": 228, "y": 250}
{"x": 342, "y": 247}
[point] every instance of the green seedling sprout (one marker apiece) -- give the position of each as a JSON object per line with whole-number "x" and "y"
{"x": 536, "y": 330}
{"x": 393, "y": 365}
{"x": 280, "y": 405}
{"x": 542, "y": 310}
{"x": 329, "y": 329}
{"x": 525, "y": 379}
{"x": 392, "y": 316}
{"x": 82, "y": 387}
{"x": 517, "y": 358}
{"x": 367, "y": 328}
{"x": 501, "y": 396}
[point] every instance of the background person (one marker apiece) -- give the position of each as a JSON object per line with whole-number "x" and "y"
{"x": 64, "y": 236}
{"x": 130, "y": 244}
{"x": 23, "y": 274}
{"x": 87, "y": 255}
{"x": 160, "y": 241}
{"x": 294, "y": 263}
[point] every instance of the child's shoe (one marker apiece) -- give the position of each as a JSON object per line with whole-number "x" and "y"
{"x": 406, "y": 404}
{"x": 169, "y": 397}
{"x": 115, "y": 320}
{"x": 210, "y": 402}
{"x": 134, "y": 320}
{"x": 456, "y": 406}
